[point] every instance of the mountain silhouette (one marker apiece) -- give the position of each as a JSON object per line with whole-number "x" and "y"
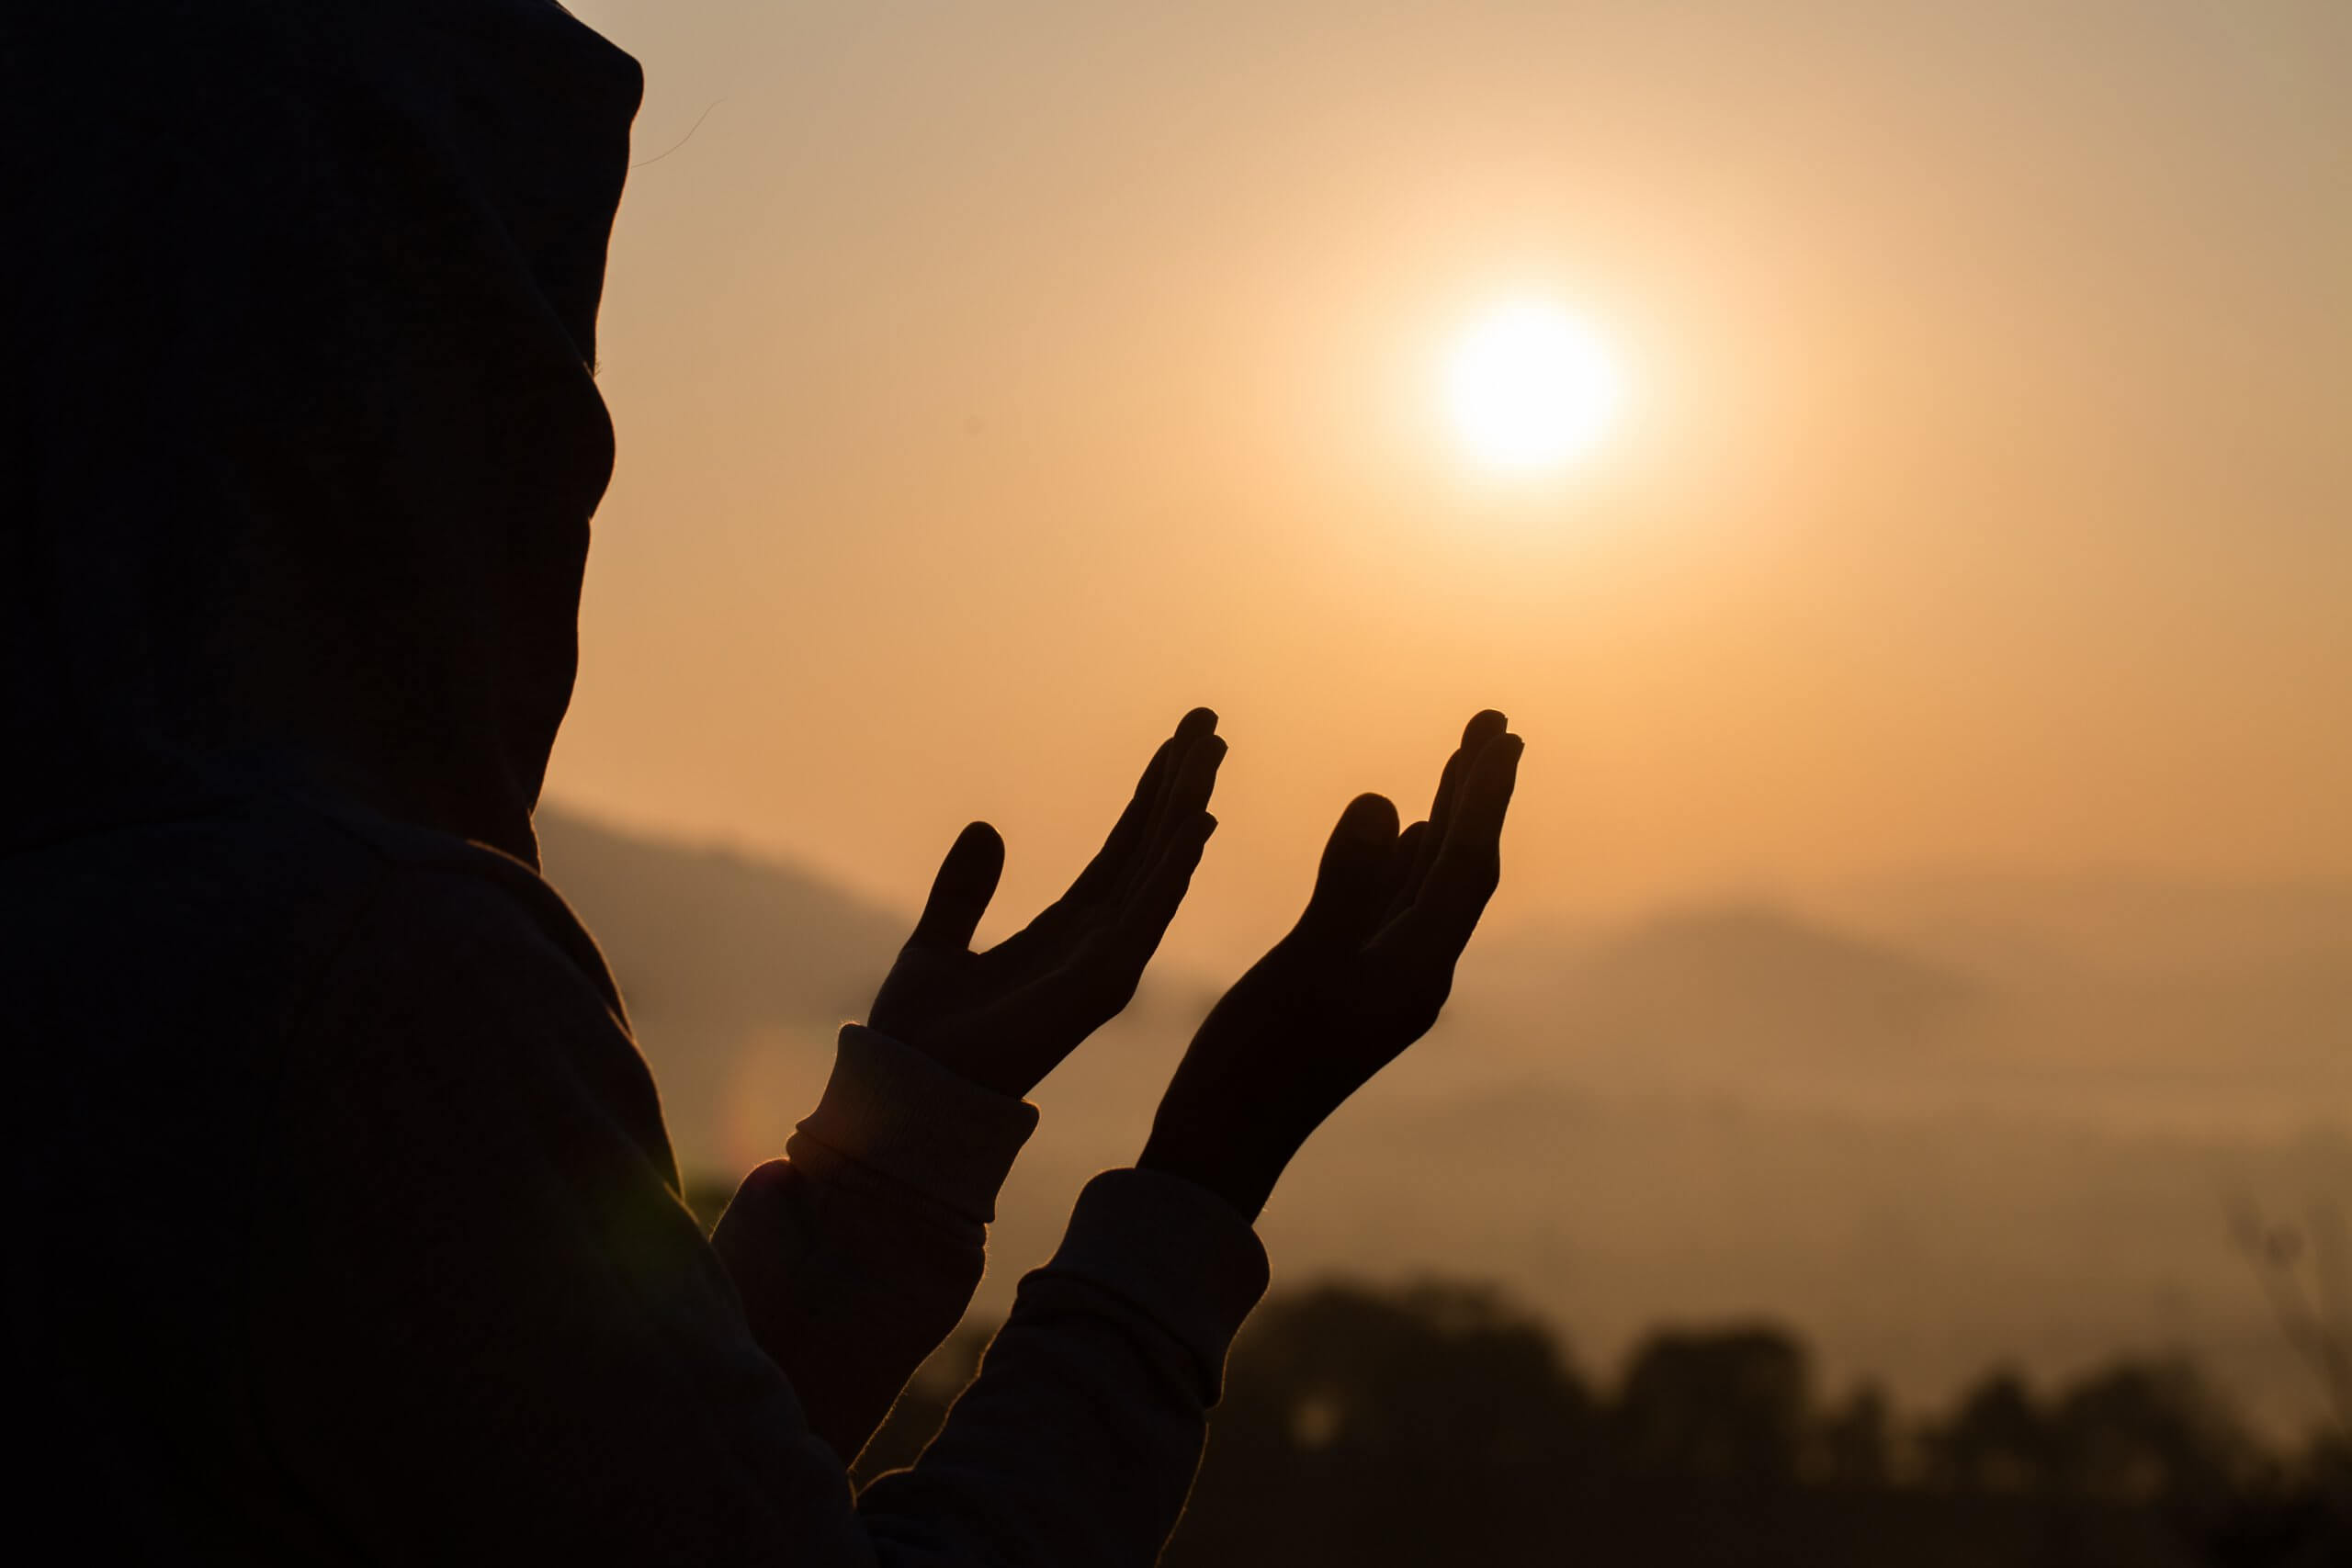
{"x": 1734, "y": 1108}
{"x": 1762, "y": 981}
{"x": 736, "y": 970}
{"x": 1745, "y": 996}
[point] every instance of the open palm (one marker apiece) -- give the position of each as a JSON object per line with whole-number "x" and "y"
{"x": 1006, "y": 1016}
{"x": 1361, "y": 977}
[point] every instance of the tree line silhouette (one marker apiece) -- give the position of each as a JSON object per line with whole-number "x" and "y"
{"x": 1434, "y": 1424}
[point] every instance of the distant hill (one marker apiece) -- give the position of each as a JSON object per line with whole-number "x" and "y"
{"x": 1761, "y": 981}
{"x": 2126, "y": 1001}
{"x": 2125, "y": 923}
{"x": 736, "y": 970}
{"x": 1742, "y": 996}
{"x": 1929, "y": 1159}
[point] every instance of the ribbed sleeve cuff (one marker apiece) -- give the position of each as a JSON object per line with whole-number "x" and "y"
{"x": 897, "y": 1114}
{"x": 1173, "y": 1250}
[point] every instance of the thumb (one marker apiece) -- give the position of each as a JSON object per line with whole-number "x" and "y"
{"x": 960, "y": 893}
{"x": 1351, "y": 883}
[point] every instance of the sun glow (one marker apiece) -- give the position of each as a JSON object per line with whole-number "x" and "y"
{"x": 1529, "y": 388}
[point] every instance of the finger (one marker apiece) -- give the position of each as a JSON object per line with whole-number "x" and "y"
{"x": 1484, "y": 726}
{"x": 1126, "y": 838}
{"x": 1112, "y": 863}
{"x": 1155, "y": 902}
{"x": 1195, "y": 733}
{"x": 1192, "y": 780}
{"x": 1347, "y": 902}
{"x": 960, "y": 893}
{"x": 1469, "y": 863}
{"x": 1401, "y": 862}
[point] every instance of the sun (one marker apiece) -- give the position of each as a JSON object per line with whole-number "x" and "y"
{"x": 1529, "y": 388}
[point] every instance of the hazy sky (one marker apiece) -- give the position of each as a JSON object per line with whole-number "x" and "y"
{"x": 995, "y": 381}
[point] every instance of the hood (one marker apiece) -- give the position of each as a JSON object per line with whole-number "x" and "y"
{"x": 302, "y": 437}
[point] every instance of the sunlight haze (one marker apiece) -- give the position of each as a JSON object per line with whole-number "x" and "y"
{"x": 994, "y": 383}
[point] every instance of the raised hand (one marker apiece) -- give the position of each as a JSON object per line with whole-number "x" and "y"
{"x": 1359, "y": 979}
{"x": 1005, "y": 1018}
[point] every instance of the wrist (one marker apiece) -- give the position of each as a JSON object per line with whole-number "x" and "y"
{"x": 899, "y": 1115}
{"x": 1242, "y": 1171}
{"x": 996, "y": 1071}
{"x": 982, "y": 1070}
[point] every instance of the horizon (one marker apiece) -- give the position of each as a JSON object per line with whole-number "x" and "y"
{"x": 1676, "y": 1135}
{"x": 1830, "y": 902}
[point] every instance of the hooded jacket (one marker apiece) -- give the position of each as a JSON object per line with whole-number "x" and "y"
{"x": 345, "y": 1226}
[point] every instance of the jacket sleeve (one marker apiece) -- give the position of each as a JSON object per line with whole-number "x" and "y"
{"x": 483, "y": 1329}
{"x": 856, "y": 1253}
{"x": 1078, "y": 1440}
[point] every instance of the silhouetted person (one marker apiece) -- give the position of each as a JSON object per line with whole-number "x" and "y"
{"x": 343, "y": 1226}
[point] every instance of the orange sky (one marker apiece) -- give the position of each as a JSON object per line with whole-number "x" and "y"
{"x": 995, "y": 382}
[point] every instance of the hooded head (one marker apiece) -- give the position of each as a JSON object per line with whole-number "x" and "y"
{"x": 301, "y": 437}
